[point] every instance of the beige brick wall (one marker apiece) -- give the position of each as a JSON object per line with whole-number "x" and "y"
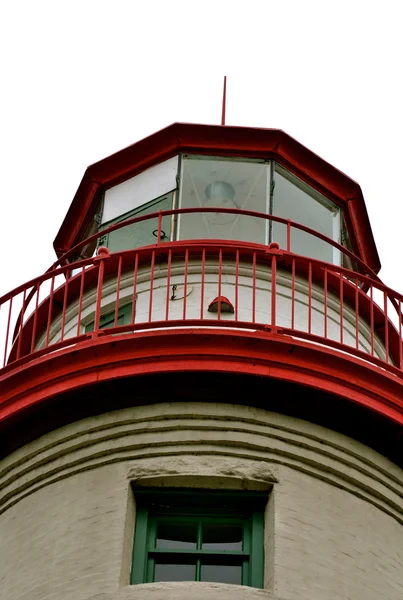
{"x": 333, "y": 521}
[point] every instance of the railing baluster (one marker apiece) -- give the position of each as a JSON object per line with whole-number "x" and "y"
{"x": 119, "y": 275}
{"x": 66, "y": 289}
{"x": 254, "y": 289}
{"x": 10, "y": 308}
{"x": 101, "y": 267}
{"x": 288, "y": 235}
{"x": 293, "y": 294}
{"x": 80, "y": 301}
{"x": 50, "y": 309}
{"x": 325, "y": 304}
{"x": 203, "y": 275}
{"x": 357, "y": 315}
{"x": 150, "y": 306}
{"x": 400, "y": 341}
{"x": 219, "y": 283}
{"x": 341, "y": 306}
{"x": 168, "y": 294}
{"x": 385, "y": 312}
{"x": 22, "y": 314}
{"x": 159, "y": 227}
{"x": 185, "y": 283}
{"x": 310, "y": 297}
{"x": 134, "y": 296}
{"x": 35, "y": 318}
{"x": 273, "y": 289}
{"x": 236, "y": 284}
{"x": 371, "y": 318}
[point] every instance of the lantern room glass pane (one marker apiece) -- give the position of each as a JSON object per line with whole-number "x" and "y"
{"x": 227, "y": 184}
{"x": 137, "y": 191}
{"x": 142, "y": 233}
{"x": 294, "y": 200}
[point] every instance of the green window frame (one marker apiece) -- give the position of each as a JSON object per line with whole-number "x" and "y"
{"x": 199, "y": 535}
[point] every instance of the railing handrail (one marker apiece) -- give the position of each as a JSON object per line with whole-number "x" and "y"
{"x": 348, "y": 278}
{"x": 248, "y": 213}
{"x": 56, "y": 269}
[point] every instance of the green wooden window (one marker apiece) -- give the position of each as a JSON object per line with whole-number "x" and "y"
{"x": 184, "y": 535}
{"x": 108, "y": 320}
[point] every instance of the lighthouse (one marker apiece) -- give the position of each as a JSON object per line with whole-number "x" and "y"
{"x": 203, "y": 396}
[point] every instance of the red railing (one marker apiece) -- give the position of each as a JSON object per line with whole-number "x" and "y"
{"x": 171, "y": 284}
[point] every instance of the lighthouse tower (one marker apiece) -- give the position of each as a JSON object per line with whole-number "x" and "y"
{"x": 203, "y": 396}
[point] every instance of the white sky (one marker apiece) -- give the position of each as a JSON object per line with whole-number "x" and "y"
{"x": 84, "y": 78}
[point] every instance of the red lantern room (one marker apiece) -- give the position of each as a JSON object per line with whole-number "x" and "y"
{"x": 219, "y": 271}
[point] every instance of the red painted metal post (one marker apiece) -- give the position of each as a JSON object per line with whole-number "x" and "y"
{"x": 310, "y": 297}
{"x": 236, "y": 284}
{"x": 385, "y": 312}
{"x": 101, "y": 268}
{"x": 22, "y": 313}
{"x": 293, "y": 294}
{"x": 371, "y": 318}
{"x": 80, "y": 301}
{"x": 134, "y": 297}
{"x": 203, "y": 275}
{"x": 357, "y": 320}
{"x": 35, "y": 318}
{"x": 289, "y": 235}
{"x": 219, "y": 283}
{"x": 159, "y": 227}
{"x": 49, "y": 323}
{"x": 8, "y": 330}
{"x": 185, "y": 284}
{"x": 150, "y": 306}
{"x": 254, "y": 289}
{"x": 400, "y": 308}
{"x": 273, "y": 289}
{"x": 66, "y": 289}
{"x": 341, "y": 299}
{"x": 119, "y": 275}
{"x": 168, "y": 294}
{"x": 325, "y": 304}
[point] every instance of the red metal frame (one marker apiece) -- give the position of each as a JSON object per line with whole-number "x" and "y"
{"x": 220, "y": 141}
{"x": 341, "y": 282}
{"x": 31, "y": 374}
{"x": 265, "y": 354}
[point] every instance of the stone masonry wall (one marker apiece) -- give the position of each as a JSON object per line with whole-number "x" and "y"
{"x": 333, "y": 523}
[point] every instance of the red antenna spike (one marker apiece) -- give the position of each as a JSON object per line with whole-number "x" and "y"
{"x": 224, "y": 101}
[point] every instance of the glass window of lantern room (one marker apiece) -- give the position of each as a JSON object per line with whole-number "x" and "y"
{"x": 146, "y": 193}
{"x": 139, "y": 190}
{"x": 295, "y": 200}
{"x": 224, "y": 183}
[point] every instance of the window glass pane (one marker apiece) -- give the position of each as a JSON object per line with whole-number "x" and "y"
{"x": 178, "y": 536}
{"x": 227, "y": 184}
{"x": 174, "y": 572}
{"x": 139, "y": 190}
{"x": 221, "y": 573}
{"x": 222, "y": 537}
{"x": 139, "y": 234}
{"x": 295, "y": 200}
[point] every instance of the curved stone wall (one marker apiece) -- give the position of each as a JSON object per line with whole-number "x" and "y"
{"x": 333, "y": 522}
